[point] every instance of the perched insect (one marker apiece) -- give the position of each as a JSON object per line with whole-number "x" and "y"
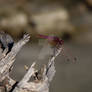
{"x": 56, "y": 42}
{"x": 53, "y": 40}
{"x": 6, "y": 41}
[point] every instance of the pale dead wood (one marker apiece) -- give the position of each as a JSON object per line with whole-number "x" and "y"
{"x": 41, "y": 78}
{"x": 7, "y": 61}
{"x": 34, "y": 80}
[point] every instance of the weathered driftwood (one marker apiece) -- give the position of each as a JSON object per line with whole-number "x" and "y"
{"x": 7, "y": 61}
{"x": 34, "y": 80}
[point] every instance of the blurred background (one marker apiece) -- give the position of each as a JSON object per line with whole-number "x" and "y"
{"x": 70, "y": 20}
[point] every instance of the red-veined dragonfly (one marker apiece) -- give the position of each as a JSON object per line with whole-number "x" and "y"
{"x": 56, "y": 42}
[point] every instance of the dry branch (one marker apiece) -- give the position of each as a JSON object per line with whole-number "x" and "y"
{"x": 38, "y": 80}
{"x": 34, "y": 80}
{"x": 7, "y": 61}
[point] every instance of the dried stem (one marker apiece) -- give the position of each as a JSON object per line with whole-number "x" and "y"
{"x": 41, "y": 78}
{"x": 34, "y": 80}
{"x": 7, "y": 61}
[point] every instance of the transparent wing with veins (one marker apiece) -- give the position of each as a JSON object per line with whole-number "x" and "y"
{"x": 49, "y": 46}
{"x": 45, "y": 50}
{"x": 55, "y": 43}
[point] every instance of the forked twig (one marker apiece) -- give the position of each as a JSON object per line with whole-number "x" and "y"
{"x": 41, "y": 78}
{"x": 34, "y": 80}
{"x": 7, "y": 61}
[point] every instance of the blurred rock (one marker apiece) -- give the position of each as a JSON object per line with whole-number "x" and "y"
{"x": 55, "y": 22}
{"x": 16, "y": 22}
{"x": 50, "y": 21}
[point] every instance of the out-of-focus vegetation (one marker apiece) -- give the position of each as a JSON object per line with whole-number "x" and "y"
{"x": 66, "y": 18}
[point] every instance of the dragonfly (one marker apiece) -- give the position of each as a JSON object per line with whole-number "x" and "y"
{"x": 53, "y": 40}
{"x": 57, "y": 42}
